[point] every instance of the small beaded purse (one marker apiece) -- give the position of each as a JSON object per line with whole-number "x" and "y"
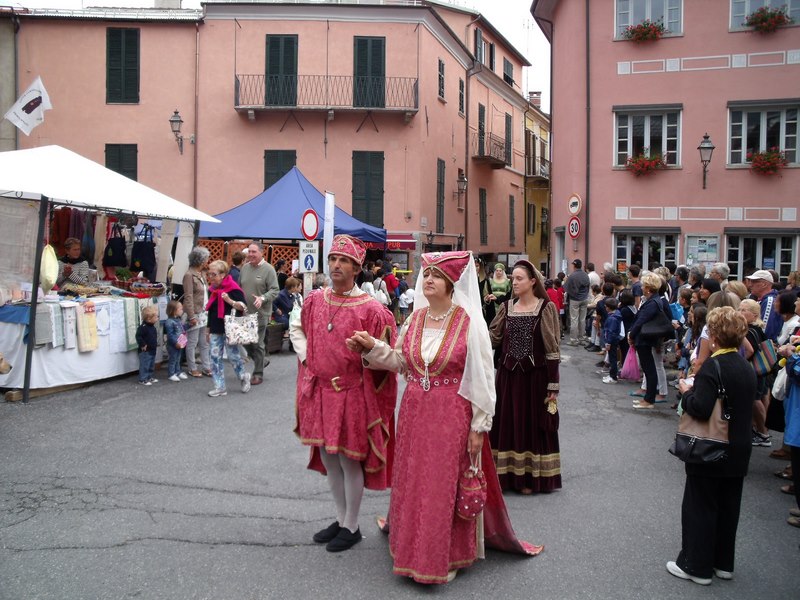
{"x": 471, "y": 497}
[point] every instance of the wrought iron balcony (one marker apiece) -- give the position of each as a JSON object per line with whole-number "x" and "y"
{"x": 326, "y": 92}
{"x": 490, "y": 149}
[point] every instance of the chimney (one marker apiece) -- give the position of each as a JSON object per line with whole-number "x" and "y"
{"x": 171, "y": 4}
{"x": 535, "y": 98}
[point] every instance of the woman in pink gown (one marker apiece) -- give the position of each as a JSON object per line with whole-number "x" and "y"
{"x": 445, "y": 353}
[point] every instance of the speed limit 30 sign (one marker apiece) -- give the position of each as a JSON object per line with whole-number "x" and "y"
{"x": 574, "y": 227}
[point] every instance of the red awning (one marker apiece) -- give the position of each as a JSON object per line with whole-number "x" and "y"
{"x": 395, "y": 241}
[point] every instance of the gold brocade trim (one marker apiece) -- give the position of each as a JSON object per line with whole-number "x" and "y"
{"x": 360, "y": 456}
{"x": 553, "y": 387}
{"x": 516, "y": 463}
{"x": 344, "y": 300}
{"x": 461, "y": 314}
{"x": 409, "y": 572}
{"x": 416, "y": 340}
{"x": 311, "y": 441}
{"x": 552, "y": 356}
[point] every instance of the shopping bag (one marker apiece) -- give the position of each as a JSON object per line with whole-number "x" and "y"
{"x": 114, "y": 254}
{"x": 765, "y": 358}
{"x": 241, "y": 330}
{"x": 630, "y": 369}
{"x": 143, "y": 254}
{"x": 182, "y": 341}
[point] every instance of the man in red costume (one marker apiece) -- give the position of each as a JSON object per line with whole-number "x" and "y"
{"x": 345, "y": 412}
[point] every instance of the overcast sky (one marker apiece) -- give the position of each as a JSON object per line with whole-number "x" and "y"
{"x": 511, "y": 17}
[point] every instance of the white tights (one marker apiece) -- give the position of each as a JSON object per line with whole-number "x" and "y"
{"x": 346, "y": 480}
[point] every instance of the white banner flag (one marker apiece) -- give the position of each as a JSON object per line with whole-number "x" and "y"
{"x": 28, "y": 112}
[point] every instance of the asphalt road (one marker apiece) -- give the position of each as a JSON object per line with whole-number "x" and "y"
{"x": 121, "y": 491}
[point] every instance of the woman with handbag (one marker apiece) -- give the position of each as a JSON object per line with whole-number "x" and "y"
{"x": 444, "y": 351}
{"x": 653, "y": 323}
{"x": 195, "y": 296}
{"x": 712, "y": 494}
{"x": 524, "y": 434}
{"x": 225, "y": 295}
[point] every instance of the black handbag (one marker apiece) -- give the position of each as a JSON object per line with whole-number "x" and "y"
{"x": 114, "y": 254}
{"x": 703, "y": 442}
{"x": 658, "y": 327}
{"x": 143, "y": 254}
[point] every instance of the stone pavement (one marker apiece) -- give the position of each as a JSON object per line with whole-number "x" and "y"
{"x": 117, "y": 490}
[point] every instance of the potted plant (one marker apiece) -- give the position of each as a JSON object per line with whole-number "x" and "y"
{"x": 767, "y": 20}
{"x": 645, "y": 163}
{"x": 769, "y": 162}
{"x": 646, "y": 31}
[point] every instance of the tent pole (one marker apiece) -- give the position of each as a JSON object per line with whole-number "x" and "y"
{"x": 37, "y": 271}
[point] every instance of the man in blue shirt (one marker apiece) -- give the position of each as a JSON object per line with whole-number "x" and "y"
{"x": 761, "y": 288}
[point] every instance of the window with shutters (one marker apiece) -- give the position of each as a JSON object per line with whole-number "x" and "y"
{"x": 368, "y": 187}
{"x": 461, "y": 96}
{"x": 484, "y": 50}
{"x": 757, "y": 128}
{"x": 122, "y": 159}
{"x": 440, "y": 166}
{"x": 484, "y": 216}
{"x": 122, "y": 66}
{"x": 512, "y": 222}
{"x": 655, "y": 132}
{"x": 281, "y": 75}
{"x": 441, "y": 78}
{"x": 369, "y": 69}
{"x": 481, "y": 130}
{"x": 509, "y": 137}
{"x": 276, "y": 164}
{"x": 633, "y": 12}
{"x": 508, "y": 72}
{"x": 740, "y": 9}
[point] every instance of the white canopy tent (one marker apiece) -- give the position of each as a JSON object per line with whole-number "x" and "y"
{"x": 64, "y": 177}
{"x": 52, "y": 174}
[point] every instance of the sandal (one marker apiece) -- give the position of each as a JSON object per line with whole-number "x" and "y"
{"x": 637, "y": 394}
{"x": 383, "y": 524}
{"x": 784, "y": 473}
{"x": 788, "y": 489}
{"x": 207, "y": 373}
{"x": 196, "y": 374}
{"x": 780, "y": 454}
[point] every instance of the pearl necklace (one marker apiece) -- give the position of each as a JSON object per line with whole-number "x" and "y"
{"x": 425, "y": 381}
{"x": 441, "y": 317}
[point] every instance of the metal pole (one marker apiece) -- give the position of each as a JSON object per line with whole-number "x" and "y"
{"x": 37, "y": 268}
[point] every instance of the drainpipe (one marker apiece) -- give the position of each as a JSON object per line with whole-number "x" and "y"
{"x": 476, "y": 68}
{"x": 588, "y": 135}
{"x": 196, "y": 107}
{"x": 550, "y": 148}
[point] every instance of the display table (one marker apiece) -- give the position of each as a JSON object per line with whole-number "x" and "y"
{"x": 58, "y": 366}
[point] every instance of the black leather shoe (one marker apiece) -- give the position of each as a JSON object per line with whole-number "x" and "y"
{"x": 326, "y": 535}
{"x": 344, "y": 541}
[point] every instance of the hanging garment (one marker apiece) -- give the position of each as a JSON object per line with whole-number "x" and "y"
{"x": 87, "y": 327}
{"x": 118, "y": 341}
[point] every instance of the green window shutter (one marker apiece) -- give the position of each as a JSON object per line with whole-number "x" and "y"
{"x": 122, "y": 65}
{"x": 281, "y": 76}
{"x": 461, "y": 96}
{"x": 484, "y": 216}
{"x": 276, "y": 164}
{"x": 512, "y": 222}
{"x": 441, "y": 78}
{"x": 509, "y": 138}
{"x": 481, "y": 130}
{"x": 491, "y": 56}
{"x": 479, "y": 45}
{"x": 368, "y": 187}
{"x": 440, "y": 169}
{"x": 369, "y": 68}
{"x": 508, "y": 72}
{"x": 122, "y": 159}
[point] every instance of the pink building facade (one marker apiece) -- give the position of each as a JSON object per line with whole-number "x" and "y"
{"x": 410, "y": 112}
{"x": 614, "y": 99}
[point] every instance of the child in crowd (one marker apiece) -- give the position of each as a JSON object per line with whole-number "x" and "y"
{"x": 176, "y": 339}
{"x": 147, "y": 341}
{"x": 613, "y": 332}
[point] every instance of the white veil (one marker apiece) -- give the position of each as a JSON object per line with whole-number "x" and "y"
{"x": 477, "y": 382}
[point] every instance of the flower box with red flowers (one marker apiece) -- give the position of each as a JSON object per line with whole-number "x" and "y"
{"x": 769, "y": 162}
{"x": 645, "y": 163}
{"x": 767, "y": 20}
{"x": 646, "y": 31}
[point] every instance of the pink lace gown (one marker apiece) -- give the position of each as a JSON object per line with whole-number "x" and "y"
{"x": 427, "y": 538}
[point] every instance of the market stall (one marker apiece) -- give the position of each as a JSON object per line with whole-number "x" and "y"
{"x": 32, "y": 182}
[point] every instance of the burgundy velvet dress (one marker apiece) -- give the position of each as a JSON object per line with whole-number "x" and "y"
{"x": 524, "y": 435}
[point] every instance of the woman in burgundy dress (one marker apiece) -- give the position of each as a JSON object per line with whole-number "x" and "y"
{"x": 444, "y": 351}
{"x": 524, "y": 435}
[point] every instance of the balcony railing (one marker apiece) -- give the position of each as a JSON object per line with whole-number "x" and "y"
{"x": 325, "y": 92}
{"x": 490, "y": 149}
{"x": 537, "y": 167}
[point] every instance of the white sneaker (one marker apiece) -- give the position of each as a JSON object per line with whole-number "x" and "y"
{"x": 674, "y": 569}
{"x": 174, "y": 378}
{"x": 183, "y": 375}
{"x": 217, "y": 392}
{"x": 723, "y": 574}
{"x": 153, "y": 380}
{"x": 246, "y": 383}
{"x": 609, "y": 379}
{"x": 147, "y": 382}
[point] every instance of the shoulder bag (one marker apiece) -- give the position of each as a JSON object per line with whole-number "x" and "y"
{"x": 703, "y": 442}
{"x": 765, "y": 358}
{"x": 241, "y": 330}
{"x": 114, "y": 254}
{"x": 658, "y": 327}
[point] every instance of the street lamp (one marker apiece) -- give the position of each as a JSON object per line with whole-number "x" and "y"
{"x": 175, "y": 123}
{"x": 430, "y": 237}
{"x": 706, "y": 149}
{"x": 461, "y": 187}
{"x": 460, "y": 242}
